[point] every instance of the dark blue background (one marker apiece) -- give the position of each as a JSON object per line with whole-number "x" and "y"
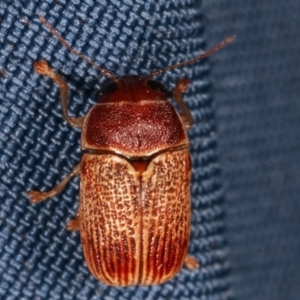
{"x": 248, "y": 244}
{"x": 256, "y": 88}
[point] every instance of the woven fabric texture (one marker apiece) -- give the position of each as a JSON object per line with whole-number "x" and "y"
{"x": 257, "y": 108}
{"x": 39, "y": 258}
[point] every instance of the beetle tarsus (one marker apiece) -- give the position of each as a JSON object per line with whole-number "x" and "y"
{"x": 191, "y": 262}
{"x": 36, "y": 196}
{"x": 41, "y": 67}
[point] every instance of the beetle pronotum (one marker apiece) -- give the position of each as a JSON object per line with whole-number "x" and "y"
{"x": 134, "y": 213}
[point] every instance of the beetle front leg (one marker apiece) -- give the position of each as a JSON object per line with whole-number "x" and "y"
{"x": 42, "y": 67}
{"x": 36, "y": 196}
{"x": 180, "y": 88}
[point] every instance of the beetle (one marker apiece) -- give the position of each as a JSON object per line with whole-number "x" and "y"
{"x": 134, "y": 213}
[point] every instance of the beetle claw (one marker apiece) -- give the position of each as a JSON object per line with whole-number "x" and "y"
{"x": 41, "y": 67}
{"x": 36, "y": 196}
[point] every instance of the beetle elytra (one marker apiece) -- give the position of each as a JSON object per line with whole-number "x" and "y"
{"x": 134, "y": 212}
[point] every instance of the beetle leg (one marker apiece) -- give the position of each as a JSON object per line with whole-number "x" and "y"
{"x": 37, "y": 196}
{"x": 180, "y": 88}
{"x": 73, "y": 224}
{"x": 191, "y": 262}
{"x": 41, "y": 67}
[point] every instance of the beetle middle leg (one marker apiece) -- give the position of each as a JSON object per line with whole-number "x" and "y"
{"x": 186, "y": 116}
{"x": 37, "y": 196}
{"x": 42, "y": 67}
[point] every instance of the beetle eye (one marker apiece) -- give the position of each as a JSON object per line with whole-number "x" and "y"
{"x": 157, "y": 86}
{"x": 108, "y": 88}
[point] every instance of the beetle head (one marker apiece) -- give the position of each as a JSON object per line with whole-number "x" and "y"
{"x": 132, "y": 88}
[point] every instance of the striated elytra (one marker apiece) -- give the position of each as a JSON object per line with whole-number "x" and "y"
{"x": 134, "y": 212}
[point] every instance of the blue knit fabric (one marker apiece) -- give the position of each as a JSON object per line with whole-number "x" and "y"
{"x": 257, "y": 100}
{"x": 39, "y": 258}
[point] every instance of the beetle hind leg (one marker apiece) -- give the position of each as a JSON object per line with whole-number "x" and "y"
{"x": 36, "y": 196}
{"x": 191, "y": 262}
{"x": 186, "y": 116}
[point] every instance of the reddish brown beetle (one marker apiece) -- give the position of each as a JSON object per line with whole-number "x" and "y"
{"x": 134, "y": 213}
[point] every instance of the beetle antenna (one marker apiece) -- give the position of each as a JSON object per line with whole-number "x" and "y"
{"x": 194, "y": 60}
{"x": 105, "y": 72}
